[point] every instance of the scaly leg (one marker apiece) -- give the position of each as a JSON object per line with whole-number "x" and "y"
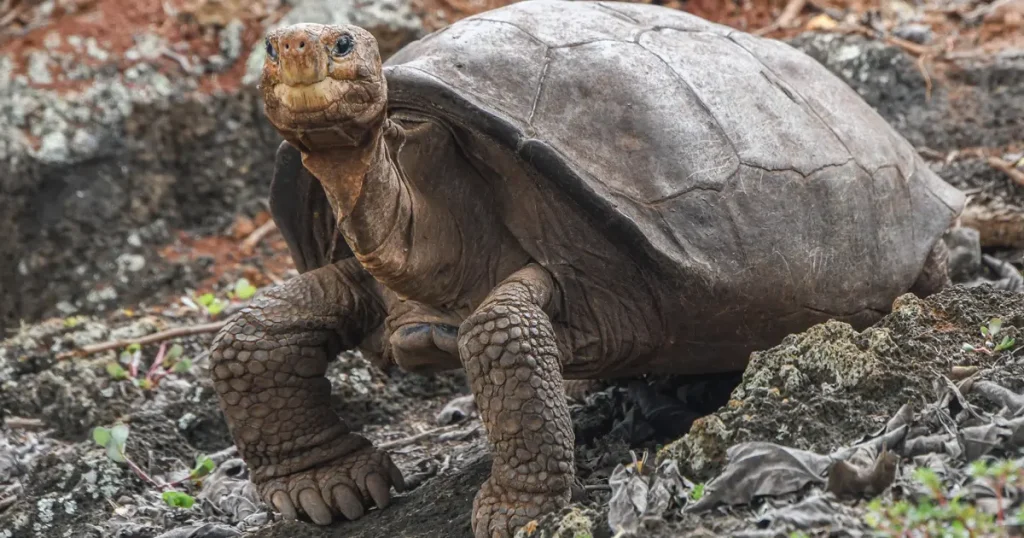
{"x": 510, "y": 354}
{"x": 268, "y": 364}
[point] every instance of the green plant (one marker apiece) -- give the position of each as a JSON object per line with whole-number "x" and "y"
{"x": 167, "y": 361}
{"x": 989, "y": 332}
{"x": 211, "y": 303}
{"x": 114, "y": 439}
{"x": 243, "y": 289}
{"x": 938, "y": 513}
{"x": 697, "y": 492}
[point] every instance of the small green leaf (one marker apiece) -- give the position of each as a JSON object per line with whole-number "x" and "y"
{"x": 182, "y": 366}
{"x": 968, "y": 347}
{"x": 1007, "y": 343}
{"x": 174, "y": 352}
{"x": 115, "y": 453}
{"x": 133, "y": 348}
{"x": 984, "y": 331}
{"x": 206, "y": 299}
{"x": 215, "y": 308}
{"x": 119, "y": 433}
{"x": 204, "y": 466}
{"x": 994, "y": 325}
{"x": 978, "y": 468}
{"x": 244, "y": 289}
{"x": 178, "y": 499}
{"x": 116, "y": 371}
{"x": 115, "y": 445}
{"x": 144, "y": 384}
{"x": 928, "y": 477}
{"x": 697, "y": 492}
{"x": 101, "y": 435}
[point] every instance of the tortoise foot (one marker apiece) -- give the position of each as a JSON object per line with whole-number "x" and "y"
{"x": 498, "y": 511}
{"x": 343, "y": 488}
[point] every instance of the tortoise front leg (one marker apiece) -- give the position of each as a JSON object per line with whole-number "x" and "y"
{"x": 510, "y": 354}
{"x": 268, "y": 364}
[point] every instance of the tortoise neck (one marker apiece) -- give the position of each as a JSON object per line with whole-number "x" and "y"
{"x": 365, "y": 187}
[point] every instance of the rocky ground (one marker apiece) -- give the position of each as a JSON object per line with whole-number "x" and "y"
{"x": 133, "y": 202}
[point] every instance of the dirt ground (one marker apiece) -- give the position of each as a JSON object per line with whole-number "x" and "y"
{"x": 949, "y": 75}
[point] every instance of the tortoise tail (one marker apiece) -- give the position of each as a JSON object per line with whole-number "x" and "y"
{"x": 934, "y": 276}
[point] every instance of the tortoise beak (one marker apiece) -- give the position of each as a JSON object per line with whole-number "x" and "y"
{"x": 302, "y": 61}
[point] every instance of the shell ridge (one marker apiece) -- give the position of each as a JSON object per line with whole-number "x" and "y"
{"x": 548, "y": 58}
{"x": 512, "y": 24}
{"x": 806, "y": 105}
{"x": 700, "y": 100}
{"x": 616, "y": 13}
{"x": 802, "y": 174}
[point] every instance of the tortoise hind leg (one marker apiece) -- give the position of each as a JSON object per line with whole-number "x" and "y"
{"x": 934, "y": 276}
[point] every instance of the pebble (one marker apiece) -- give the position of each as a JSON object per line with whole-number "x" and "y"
{"x": 917, "y": 33}
{"x": 38, "y": 68}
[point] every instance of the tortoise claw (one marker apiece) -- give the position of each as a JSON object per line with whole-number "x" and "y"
{"x": 379, "y": 490}
{"x": 347, "y": 502}
{"x": 344, "y": 487}
{"x": 284, "y": 505}
{"x": 315, "y": 507}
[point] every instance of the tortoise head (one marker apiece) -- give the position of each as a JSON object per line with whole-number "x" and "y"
{"x": 322, "y": 84}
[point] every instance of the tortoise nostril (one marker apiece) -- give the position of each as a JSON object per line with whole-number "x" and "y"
{"x": 302, "y": 45}
{"x": 286, "y": 46}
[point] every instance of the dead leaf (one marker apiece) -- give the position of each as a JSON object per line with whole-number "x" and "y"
{"x": 848, "y": 478}
{"x": 821, "y": 22}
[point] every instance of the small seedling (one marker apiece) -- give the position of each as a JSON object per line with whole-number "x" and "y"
{"x": 938, "y": 513}
{"x": 243, "y": 289}
{"x": 166, "y": 362}
{"x": 211, "y": 303}
{"x": 697, "y": 492}
{"x": 113, "y": 440}
{"x": 989, "y": 332}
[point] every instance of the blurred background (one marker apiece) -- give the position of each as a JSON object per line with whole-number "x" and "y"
{"x": 136, "y": 160}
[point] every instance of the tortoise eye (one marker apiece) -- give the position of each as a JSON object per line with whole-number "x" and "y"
{"x": 344, "y": 45}
{"x": 270, "y": 49}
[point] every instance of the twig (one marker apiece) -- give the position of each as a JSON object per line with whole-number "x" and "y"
{"x": 202, "y": 328}
{"x": 22, "y": 423}
{"x": 786, "y": 18}
{"x": 922, "y": 66}
{"x": 413, "y": 438}
{"x": 790, "y": 13}
{"x": 258, "y": 234}
{"x": 157, "y": 363}
{"x": 7, "y": 503}
{"x": 1007, "y": 167}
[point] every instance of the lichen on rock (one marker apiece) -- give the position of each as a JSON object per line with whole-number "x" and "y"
{"x": 830, "y": 385}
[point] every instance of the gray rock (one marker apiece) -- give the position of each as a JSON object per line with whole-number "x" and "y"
{"x": 980, "y": 102}
{"x": 83, "y": 169}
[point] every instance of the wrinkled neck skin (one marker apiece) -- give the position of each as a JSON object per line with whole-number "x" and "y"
{"x": 375, "y": 203}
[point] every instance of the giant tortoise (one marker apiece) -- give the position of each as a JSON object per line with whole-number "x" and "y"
{"x": 554, "y": 190}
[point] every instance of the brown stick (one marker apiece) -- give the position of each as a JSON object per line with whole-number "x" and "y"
{"x": 422, "y": 435}
{"x": 23, "y": 423}
{"x": 176, "y": 332}
{"x": 257, "y": 235}
{"x": 1007, "y": 167}
{"x": 790, "y": 13}
{"x": 786, "y": 18}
